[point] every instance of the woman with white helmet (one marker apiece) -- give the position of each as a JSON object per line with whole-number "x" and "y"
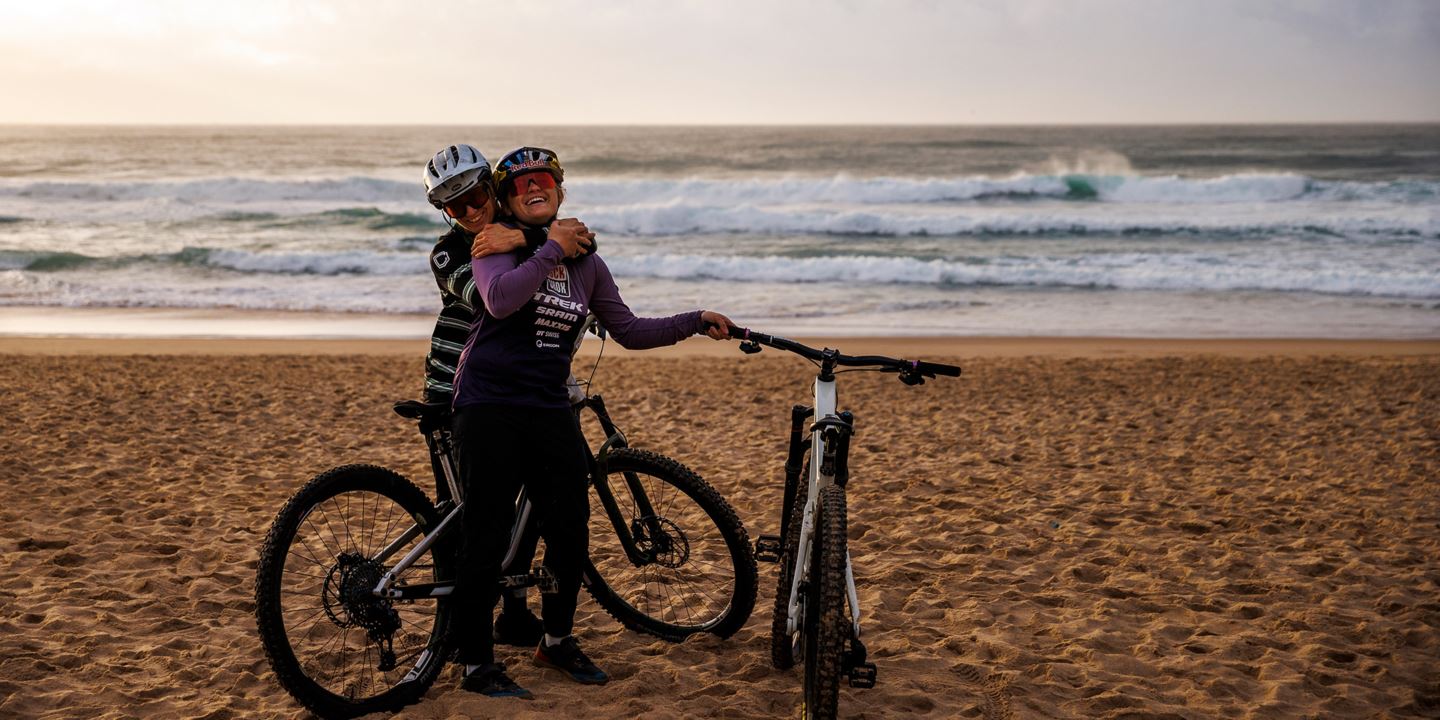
{"x": 513, "y": 423}
{"x": 458, "y": 182}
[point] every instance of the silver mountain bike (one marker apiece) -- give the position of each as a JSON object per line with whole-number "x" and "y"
{"x": 353, "y": 588}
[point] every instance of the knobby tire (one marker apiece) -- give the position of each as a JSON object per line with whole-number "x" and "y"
{"x": 827, "y": 625}
{"x": 398, "y": 504}
{"x": 784, "y": 647}
{"x": 663, "y": 599}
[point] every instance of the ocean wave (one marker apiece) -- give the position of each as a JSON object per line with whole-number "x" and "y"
{"x": 136, "y": 288}
{"x": 219, "y": 190}
{"x": 784, "y": 191}
{"x": 682, "y": 219}
{"x": 1130, "y": 271}
{"x": 347, "y": 262}
{"x": 1342, "y": 270}
{"x": 896, "y": 190}
{"x": 368, "y": 218}
{"x": 1065, "y": 186}
{"x": 352, "y": 262}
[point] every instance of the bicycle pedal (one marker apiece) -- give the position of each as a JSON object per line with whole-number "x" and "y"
{"x": 863, "y": 676}
{"x": 516, "y": 581}
{"x": 544, "y": 580}
{"x": 767, "y": 548}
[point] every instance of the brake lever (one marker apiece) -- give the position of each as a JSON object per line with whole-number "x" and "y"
{"x": 912, "y": 378}
{"x": 749, "y": 347}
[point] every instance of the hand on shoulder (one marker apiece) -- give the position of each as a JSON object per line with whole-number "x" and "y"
{"x": 573, "y": 237}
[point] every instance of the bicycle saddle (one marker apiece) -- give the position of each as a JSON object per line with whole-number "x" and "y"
{"x": 427, "y": 413}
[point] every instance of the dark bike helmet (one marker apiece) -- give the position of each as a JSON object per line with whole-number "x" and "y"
{"x": 526, "y": 160}
{"x": 453, "y": 172}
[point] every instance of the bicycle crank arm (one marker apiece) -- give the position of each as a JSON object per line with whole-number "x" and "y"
{"x": 540, "y": 577}
{"x": 418, "y": 592}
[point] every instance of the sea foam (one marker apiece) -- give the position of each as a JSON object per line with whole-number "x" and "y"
{"x": 1180, "y": 272}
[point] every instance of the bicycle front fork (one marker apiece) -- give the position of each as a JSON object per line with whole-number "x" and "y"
{"x": 769, "y": 547}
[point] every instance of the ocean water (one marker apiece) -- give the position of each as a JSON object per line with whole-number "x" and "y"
{"x": 1226, "y": 231}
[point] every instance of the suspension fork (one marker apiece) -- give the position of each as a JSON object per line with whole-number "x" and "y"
{"x": 599, "y": 480}
{"x": 794, "y": 463}
{"x": 842, "y": 477}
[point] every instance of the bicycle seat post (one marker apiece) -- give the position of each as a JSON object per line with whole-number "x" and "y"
{"x": 444, "y": 451}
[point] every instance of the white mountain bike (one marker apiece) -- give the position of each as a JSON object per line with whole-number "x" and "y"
{"x": 816, "y": 580}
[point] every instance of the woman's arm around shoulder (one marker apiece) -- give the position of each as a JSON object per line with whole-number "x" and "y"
{"x": 505, "y": 284}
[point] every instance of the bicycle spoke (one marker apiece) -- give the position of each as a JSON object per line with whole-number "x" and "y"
{"x": 325, "y": 535}
{"x": 307, "y": 618}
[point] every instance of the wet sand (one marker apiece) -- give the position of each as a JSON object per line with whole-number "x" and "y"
{"x": 1074, "y": 528}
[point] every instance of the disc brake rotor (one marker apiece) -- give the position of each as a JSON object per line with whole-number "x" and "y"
{"x": 661, "y": 540}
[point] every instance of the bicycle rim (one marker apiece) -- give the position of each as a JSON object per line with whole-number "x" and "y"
{"x": 336, "y": 647}
{"x": 696, "y": 573}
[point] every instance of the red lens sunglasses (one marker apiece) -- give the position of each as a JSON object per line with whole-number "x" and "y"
{"x": 543, "y": 180}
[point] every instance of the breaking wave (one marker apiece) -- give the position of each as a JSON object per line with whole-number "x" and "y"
{"x": 838, "y": 189}
{"x": 1110, "y": 271}
{"x": 1339, "y": 274}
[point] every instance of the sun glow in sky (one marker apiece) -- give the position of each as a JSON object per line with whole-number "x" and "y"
{"x": 740, "y": 61}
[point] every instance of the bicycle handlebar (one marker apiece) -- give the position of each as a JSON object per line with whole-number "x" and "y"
{"x": 907, "y": 368}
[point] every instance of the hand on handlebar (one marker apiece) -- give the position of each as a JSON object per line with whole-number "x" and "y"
{"x": 717, "y": 326}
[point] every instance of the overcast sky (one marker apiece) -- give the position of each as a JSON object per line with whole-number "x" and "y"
{"x": 718, "y": 61}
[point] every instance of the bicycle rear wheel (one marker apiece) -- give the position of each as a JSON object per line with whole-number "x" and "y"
{"x": 338, "y": 649}
{"x": 695, "y": 572}
{"x": 827, "y": 625}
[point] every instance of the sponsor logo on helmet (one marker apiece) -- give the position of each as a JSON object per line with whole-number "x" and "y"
{"x": 529, "y": 165}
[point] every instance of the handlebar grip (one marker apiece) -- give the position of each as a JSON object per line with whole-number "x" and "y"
{"x": 738, "y": 333}
{"x": 932, "y": 369}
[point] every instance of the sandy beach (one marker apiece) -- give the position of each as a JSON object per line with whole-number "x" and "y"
{"x": 1079, "y": 528}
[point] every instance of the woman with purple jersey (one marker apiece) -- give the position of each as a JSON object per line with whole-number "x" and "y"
{"x": 513, "y": 420}
{"x": 458, "y": 182}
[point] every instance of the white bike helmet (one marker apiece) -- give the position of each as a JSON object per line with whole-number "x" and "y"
{"x": 453, "y": 172}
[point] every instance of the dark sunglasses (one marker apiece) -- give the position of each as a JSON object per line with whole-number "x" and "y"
{"x": 478, "y": 196}
{"x": 543, "y": 180}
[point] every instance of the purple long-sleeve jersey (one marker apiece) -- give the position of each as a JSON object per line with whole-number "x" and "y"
{"x": 518, "y": 352}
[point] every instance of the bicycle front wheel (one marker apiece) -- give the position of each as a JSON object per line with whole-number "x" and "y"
{"x": 785, "y": 645}
{"x": 827, "y": 627}
{"x": 335, "y": 646}
{"x": 689, "y": 568}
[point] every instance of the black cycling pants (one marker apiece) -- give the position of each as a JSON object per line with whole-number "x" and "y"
{"x": 501, "y": 448}
{"x": 515, "y": 600}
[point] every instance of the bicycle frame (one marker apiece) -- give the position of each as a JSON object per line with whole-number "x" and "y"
{"x": 442, "y": 451}
{"x": 830, "y": 443}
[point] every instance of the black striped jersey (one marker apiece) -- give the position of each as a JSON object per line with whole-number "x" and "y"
{"x": 450, "y": 262}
